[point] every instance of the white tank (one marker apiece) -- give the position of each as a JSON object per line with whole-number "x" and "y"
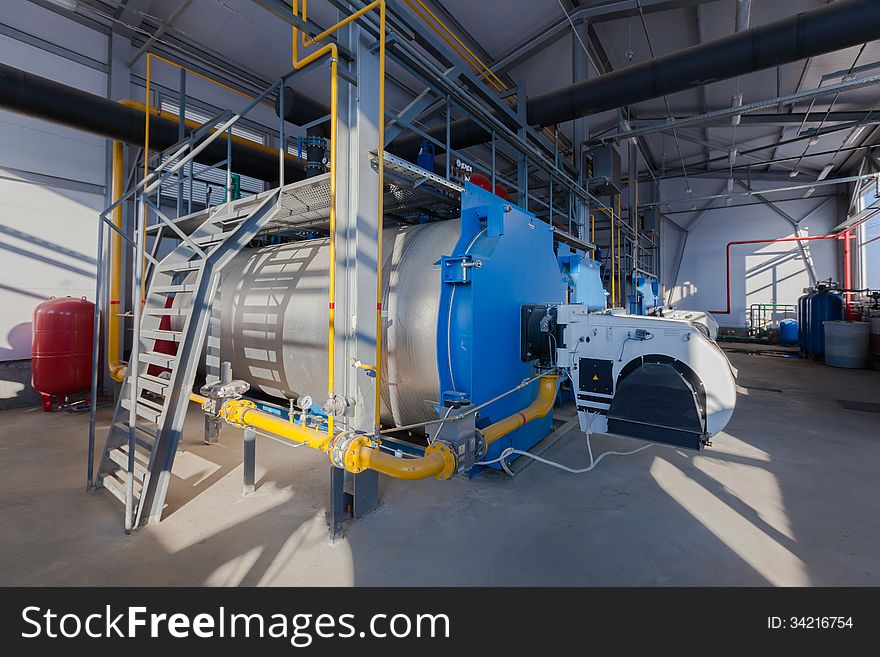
{"x": 846, "y": 344}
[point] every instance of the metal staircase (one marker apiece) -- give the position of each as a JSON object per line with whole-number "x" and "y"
{"x": 151, "y": 408}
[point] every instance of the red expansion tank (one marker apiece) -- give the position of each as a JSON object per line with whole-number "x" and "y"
{"x": 62, "y": 348}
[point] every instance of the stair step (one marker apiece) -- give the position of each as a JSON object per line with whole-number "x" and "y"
{"x": 142, "y": 437}
{"x": 190, "y": 265}
{"x": 141, "y": 455}
{"x": 225, "y": 220}
{"x": 144, "y": 411}
{"x": 173, "y": 289}
{"x": 120, "y": 458}
{"x": 155, "y": 358}
{"x": 117, "y": 487}
{"x": 161, "y": 334}
{"x": 152, "y": 403}
{"x": 154, "y": 384}
{"x": 171, "y": 312}
{"x": 207, "y": 240}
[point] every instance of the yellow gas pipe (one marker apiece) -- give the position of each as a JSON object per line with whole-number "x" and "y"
{"x": 534, "y": 411}
{"x": 329, "y": 49}
{"x": 114, "y": 354}
{"x": 363, "y": 452}
{"x": 360, "y": 454}
{"x": 380, "y": 154}
{"x": 619, "y": 252}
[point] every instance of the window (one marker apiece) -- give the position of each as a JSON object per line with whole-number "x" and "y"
{"x": 206, "y": 178}
{"x": 200, "y": 116}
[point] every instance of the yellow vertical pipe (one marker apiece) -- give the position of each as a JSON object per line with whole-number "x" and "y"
{"x": 380, "y": 154}
{"x": 116, "y": 367}
{"x": 612, "y": 258}
{"x": 619, "y": 251}
{"x": 147, "y": 119}
{"x": 380, "y": 151}
{"x": 334, "y": 102}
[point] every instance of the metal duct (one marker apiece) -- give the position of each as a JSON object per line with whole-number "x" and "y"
{"x": 808, "y": 34}
{"x": 38, "y": 97}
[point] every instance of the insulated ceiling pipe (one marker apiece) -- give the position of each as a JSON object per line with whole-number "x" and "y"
{"x": 38, "y": 97}
{"x": 301, "y": 109}
{"x": 808, "y": 34}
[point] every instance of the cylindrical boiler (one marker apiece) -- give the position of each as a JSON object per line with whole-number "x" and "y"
{"x": 453, "y": 293}
{"x": 274, "y": 318}
{"x": 61, "y": 357}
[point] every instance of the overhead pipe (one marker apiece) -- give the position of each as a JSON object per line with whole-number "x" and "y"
{"x": 26, "y": 93}
{"x": 807, "y": 34}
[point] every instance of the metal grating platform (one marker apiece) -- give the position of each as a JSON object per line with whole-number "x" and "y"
{"x": 412, "y": 194}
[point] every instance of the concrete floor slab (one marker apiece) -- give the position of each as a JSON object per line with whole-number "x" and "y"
{"x": 787, "y": 495}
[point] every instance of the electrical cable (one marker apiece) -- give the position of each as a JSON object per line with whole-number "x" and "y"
{"x": 440, "y": 428}
{"x": 593, "y": 462}
{"x": 645, "y": 337}
{"x": 510, "y": 450}
{"x": 455, "y": 418}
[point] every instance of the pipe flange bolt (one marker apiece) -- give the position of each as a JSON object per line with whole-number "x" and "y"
{"x": 451, "y": 463}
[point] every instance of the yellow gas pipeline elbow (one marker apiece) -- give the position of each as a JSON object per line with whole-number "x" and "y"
{"x": 362, "y": 453}
{"x": 536, "y": 410}
{"x": 438, "y": 461}
{"x": 358, "y": 455}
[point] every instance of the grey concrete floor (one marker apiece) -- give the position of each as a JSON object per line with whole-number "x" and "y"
{"x": 788, "y": 495}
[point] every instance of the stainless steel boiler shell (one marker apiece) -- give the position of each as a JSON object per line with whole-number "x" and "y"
{"x": 273, "y": 318}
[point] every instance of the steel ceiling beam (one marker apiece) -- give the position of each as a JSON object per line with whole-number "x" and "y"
{"x": 697, "y": 119}
{"x": 844, "y": 116}
{"x": 163, "y": 27}
{"x": 810, "y": 33}
{"x": 592, "y": 12}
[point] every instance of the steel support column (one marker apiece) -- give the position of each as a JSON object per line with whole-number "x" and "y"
{"x": 357, "y": 241}
{"x": 580, "y": 66}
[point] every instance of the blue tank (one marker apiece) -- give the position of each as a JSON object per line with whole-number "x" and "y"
{"x": 819, "y": 306}
{"x": 803, "y": 322}
{"x": 425, "y": 158}
{"x": 788, "y": 332}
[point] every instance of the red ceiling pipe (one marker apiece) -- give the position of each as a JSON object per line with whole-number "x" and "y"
{"x": 782, "y": 239}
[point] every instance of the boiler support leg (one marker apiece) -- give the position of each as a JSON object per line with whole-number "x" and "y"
{"x": 250, "y": 460}
{"x": 351, "y": 496}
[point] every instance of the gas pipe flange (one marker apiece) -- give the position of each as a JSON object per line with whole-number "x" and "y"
{"x": 449, "y": 458}
{"x": 344, "y": 452}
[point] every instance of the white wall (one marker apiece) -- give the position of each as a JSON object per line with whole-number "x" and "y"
{"x": 51, "y": 180}
{"x": 759, "y": 273}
